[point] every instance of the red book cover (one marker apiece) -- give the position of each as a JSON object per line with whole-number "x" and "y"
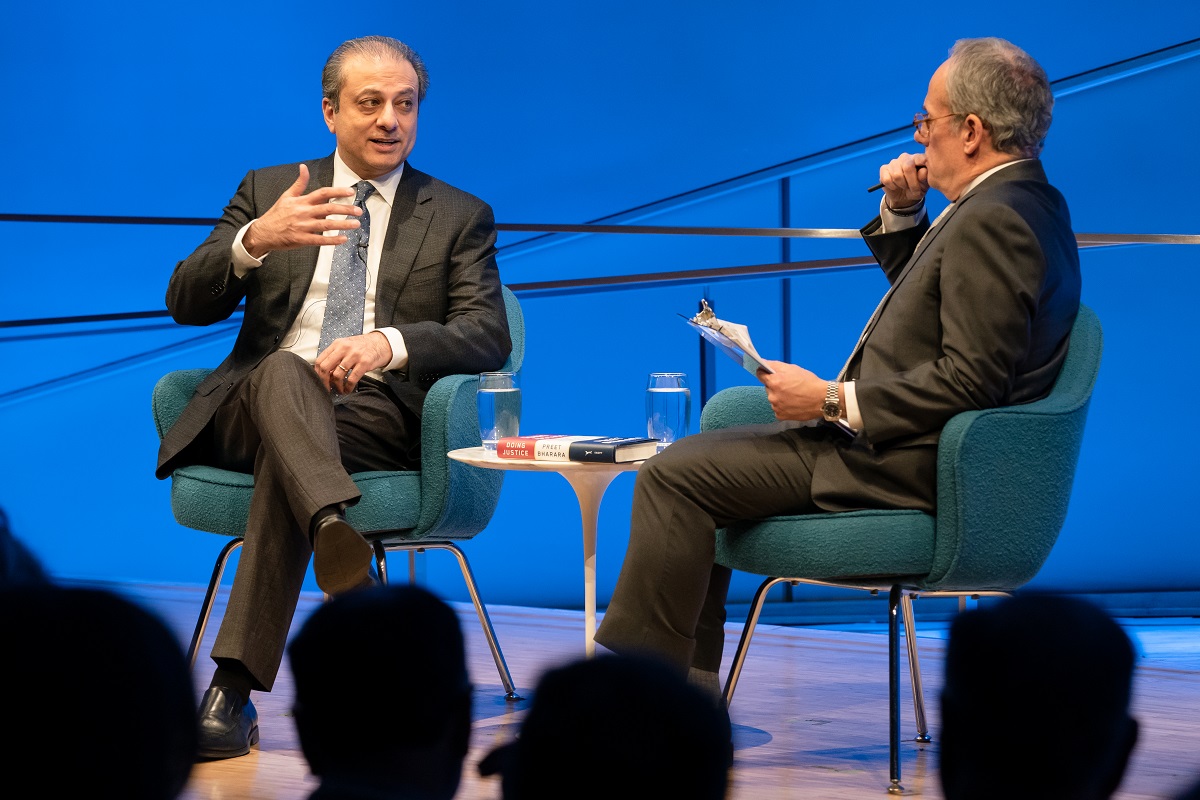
{"x": 521, "y": 447}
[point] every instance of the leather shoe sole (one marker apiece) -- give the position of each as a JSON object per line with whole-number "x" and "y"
{"x": 228, "y": 727}
{"x": 341, "y": 556}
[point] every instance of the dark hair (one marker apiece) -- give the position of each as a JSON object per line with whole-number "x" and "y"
{"x": 18, "y": 566}
{"x": 100, "y": 692}
{"x": 653, "y": 734}
{"x": 377, "y": 47}
{"x": 388, "y": 660}
{"x": 1037, "y": 689}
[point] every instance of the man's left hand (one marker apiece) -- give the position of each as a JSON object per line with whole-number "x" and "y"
{"x": 345, "y": 361}
{"x": 794, "y": 392}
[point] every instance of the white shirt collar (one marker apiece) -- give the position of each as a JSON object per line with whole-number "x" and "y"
{"x": 385, "y": 185}
{"x": 984, "y": 176}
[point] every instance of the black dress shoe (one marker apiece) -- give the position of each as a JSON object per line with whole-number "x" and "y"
{"x": 227, "y": 725}
{"x": 341, "y": 556}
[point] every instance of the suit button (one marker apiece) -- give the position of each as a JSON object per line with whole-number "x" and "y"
{"x": 276, "y": 340}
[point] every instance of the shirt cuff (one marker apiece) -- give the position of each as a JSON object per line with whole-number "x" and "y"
{"x": 853, "y": 417}
{"x": 890, "y": 223}
{"x": 243, "y": 262}
{"x": 399, "y": 351}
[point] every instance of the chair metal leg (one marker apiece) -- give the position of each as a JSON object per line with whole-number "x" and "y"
{"x": 894, "y": 690}
{"x": 914, "y": 668}
{"x": 739, "y": 657}
{"x": 485, "y": 621}
{"x": 380, "y": 560}
{"x": 210, "y": 596}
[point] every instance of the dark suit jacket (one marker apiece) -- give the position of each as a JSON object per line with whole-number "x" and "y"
{"x": 979, "y": 317}
{"x": 438, "y": 285}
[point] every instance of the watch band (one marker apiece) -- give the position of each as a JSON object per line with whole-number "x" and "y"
{"x": 832, "y": 409}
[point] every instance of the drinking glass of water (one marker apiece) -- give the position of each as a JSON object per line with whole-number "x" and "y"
{"x": 668, "y": 407}
{"x": 499, "y": 400}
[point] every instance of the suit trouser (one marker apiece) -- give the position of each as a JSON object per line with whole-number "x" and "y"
{"x": 281, "y": 424}
{"x": 670, "y": 596}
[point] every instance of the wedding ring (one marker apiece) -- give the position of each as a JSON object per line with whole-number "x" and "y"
{"x": 344, "y": 369}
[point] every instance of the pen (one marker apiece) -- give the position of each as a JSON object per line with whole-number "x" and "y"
{"x": 879, "y": 186}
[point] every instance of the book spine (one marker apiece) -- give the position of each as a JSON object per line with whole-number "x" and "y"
{"x": 516, "y": 449}
{"x": 551, "y": 450}
{"x": 584, "y": 451}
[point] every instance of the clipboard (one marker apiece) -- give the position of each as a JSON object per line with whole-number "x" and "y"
{"x": 743, "y": 352}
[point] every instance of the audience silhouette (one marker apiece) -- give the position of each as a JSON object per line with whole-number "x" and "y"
{"x": 1036, "y": 702}
{"x": 617, "y": 726}
{"x": 100, "y": 700}
{"x": 383, "y": 701}
{"x": 18, "y": 566}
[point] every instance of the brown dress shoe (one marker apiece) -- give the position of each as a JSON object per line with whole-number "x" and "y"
{"x": 341, "y": 556}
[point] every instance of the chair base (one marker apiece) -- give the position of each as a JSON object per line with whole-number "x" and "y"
{"x": 899, "y": 606}
{"x": 380, "y": 550}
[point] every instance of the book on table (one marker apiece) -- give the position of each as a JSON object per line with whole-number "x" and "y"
{"x": 562, "y": 447}
{"x": 613, "y": 449}
{"x": 537, "y": 447}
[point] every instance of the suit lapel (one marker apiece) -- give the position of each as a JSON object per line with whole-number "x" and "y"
{"x": 922, "y": 246}
{"x": 1029, "y": 170}
{"x": 412, "y": 212}
{"x": 302, "y": 262}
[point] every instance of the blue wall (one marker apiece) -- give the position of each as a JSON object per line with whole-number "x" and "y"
{"x": 567, "y": 113}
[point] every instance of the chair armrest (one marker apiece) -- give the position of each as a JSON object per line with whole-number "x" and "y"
{"x": 457, "y": 500}
{"x": 171, "y": 394}
{"x": 737, "y": 405}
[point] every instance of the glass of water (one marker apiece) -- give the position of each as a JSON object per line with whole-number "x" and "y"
{"x": 499, "y": 400}
{"x": 668, "y": 407}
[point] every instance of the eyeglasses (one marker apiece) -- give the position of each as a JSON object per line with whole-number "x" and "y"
{"x": 921, "y": 121}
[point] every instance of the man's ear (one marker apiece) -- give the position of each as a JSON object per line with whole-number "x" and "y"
{"x": 327, "y": 111}
{"x": 973, "y": 133}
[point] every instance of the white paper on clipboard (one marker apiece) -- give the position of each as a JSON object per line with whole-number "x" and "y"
{"x": 730, "y": 338}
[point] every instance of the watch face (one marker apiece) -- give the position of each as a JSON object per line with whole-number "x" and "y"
{"x": 831, "y": 411}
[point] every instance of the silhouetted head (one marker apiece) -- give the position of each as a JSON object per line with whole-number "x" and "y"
{"x": 99, "y": 699}
{"x": 382, "y": 694}
{"x": 18, "y": 566}
{"x": 1036, "y": 702}
{"x": 617, "y": 726}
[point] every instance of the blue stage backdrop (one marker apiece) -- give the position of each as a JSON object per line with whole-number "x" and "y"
{"x": 567, "y": 113}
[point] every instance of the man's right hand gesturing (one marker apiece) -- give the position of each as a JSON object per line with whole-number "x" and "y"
{"x": 300, "y": 220}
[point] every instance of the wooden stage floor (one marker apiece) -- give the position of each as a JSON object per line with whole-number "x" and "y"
{"x": 810, "y": 713}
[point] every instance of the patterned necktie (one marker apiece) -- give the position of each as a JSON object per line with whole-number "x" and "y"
{"x": 348, "y": 278}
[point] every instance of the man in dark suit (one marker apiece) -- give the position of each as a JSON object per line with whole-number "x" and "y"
{"x": 364, "y": 281}
{"x": 978, "y": 314}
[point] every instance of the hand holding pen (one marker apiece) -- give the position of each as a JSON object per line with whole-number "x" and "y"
{"x": 904, "y": 179}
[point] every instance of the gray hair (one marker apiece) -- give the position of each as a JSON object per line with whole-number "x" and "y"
{"x": 377, "y": 47}
{"x": 1006, "y": 88}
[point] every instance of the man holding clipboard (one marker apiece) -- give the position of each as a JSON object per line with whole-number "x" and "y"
{"x": 978, "y": 314}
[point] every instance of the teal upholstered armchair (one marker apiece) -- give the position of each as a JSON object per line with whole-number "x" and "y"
{"x": 1004, "y": 481}
{"x": 427, "y": 510}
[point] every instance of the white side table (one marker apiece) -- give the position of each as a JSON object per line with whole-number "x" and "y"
{"x": 589, "y": 480}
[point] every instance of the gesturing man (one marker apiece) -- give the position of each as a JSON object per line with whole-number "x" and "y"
{"x": 978, "y": 315}
{"x": 364, "y": 281}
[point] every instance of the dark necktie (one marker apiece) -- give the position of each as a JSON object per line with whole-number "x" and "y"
{"x": 347, "y": 294}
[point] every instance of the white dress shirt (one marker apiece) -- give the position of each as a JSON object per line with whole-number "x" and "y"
{"x": 305, "y": 333}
